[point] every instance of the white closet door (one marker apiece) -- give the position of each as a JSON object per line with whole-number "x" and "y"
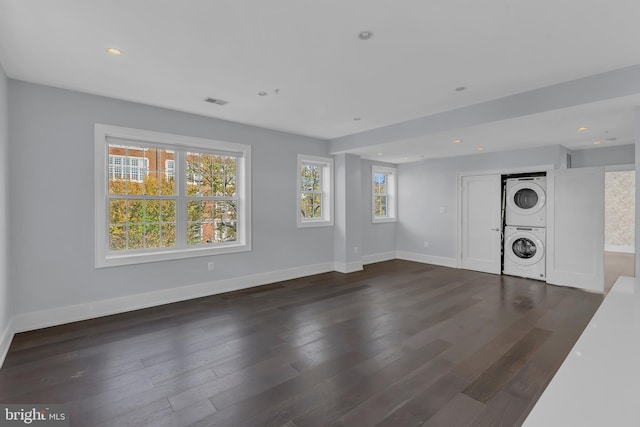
{"x": 480, "y": 214}
{"x": 575, "y": 228}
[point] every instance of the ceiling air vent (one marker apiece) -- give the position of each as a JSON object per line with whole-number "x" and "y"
{"x": 216, "y": 101}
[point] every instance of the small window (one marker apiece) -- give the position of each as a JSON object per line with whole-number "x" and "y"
{"x": 170, "y": 168}
{"x": 315, "y": 191}
{"x": 132, "y": 168}
{"x": 383, "y": 193}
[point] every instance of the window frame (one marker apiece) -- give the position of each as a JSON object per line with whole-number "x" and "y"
{"x": 391, "y": 193}
{"x": 327, "y": 182}
{"x": 105, "y": 257}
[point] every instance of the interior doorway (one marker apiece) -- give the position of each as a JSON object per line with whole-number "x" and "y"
{"x": 619, "y": 228}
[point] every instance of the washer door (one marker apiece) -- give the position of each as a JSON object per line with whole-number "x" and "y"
{"x": 524, "y": 248}
{"x": 526, "y": 198}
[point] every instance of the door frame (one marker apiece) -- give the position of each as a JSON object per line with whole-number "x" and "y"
{"x": 506, "y": 171}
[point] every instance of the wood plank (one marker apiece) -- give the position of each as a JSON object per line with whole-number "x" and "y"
{"x": 461, "y": 411}
{"x": 489, "y": 383}
{"x": 426, "y": 403}
{"x": 347, "y": 398}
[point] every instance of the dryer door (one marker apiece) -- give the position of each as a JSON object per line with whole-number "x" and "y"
{"x": 526, "y": 198}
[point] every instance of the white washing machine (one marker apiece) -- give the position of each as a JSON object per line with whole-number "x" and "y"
{"x": 524, "y": 252}
{"x": 526, "y": 201}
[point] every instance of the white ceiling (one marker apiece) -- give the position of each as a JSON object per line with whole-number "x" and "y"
{"x": 175, "y": 54}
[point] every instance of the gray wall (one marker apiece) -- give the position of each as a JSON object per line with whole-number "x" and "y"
{"x": 348, "y": 202}
{"x": 376, "y": 238}
{"x": 637, "y": 162}
{"x": 5, "y": 302}
{"x": 603, "y": 156}
{"x": 52, "y": 218}
{"x": 427, "y": 186}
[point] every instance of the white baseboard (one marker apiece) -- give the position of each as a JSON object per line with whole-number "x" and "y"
{"x": 384, "y": 256}
{"x": 348, "y": 267}
{"x": 623, "y": 249}
{"x": 77, "y": 312}
{"x": 427, "y": 259}
{"x": 5, "y": 341}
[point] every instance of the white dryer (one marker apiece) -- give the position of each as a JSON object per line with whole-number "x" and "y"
{"x": 526, "y": 201}
{"x": 524, "y": 252}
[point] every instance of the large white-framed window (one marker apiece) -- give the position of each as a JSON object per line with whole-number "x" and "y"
{"x": 384, "y": 187}
{"x": 315, "y": 191}
{"x": 160, "y": 196}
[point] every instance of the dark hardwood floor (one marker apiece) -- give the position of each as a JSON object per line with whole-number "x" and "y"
{"x": 398, "y": 344}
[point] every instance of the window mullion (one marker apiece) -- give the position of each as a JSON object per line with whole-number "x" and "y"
{"x": 180, "y": 177}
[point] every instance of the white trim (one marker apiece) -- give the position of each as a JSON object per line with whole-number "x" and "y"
{"x": 391, "y": 188}
{"x": 5, "y": 341}
{"x": 380, "y": 257}
{"x": 621, "y": 249}
{"x": 426, "y": 259}
{"x": 348, "y": 267}
{"x": 106, "y": 307}
{"x": 620, "y": 168}
{"x": 327, "y": 191}
{"x": 509, "y": 171}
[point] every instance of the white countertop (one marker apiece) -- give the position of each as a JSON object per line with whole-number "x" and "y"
{"x": 598, "y": 384}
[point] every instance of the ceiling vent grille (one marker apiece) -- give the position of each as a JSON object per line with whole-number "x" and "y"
{"x": 216, "y": 101}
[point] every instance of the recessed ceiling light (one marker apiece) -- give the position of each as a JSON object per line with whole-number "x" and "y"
{"x": 216, "y": 101}
{"x": 480, "y": 148}
{"x": 406, "y": 158}
{"x": 597, "y": 142}
{"x": 461, "y": 88}
{"x": 263, "y": 93}
{"x": 114, "y": 51}
{"x": 457, "y": 141}
{"x": 365, "y": 35}
{"x": 582, "y": 128}
{"x": 379, "y": 154}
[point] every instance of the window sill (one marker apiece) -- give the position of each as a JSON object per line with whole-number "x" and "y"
{"x": 383, "y": 220}
{"x": 307, "y": 224}
{"x": 114, "y": 260}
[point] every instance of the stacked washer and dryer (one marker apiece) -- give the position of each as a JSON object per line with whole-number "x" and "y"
{"x": 525, "y": 227}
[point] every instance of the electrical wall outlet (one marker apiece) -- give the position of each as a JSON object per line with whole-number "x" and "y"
{"x": 210, "y": 265}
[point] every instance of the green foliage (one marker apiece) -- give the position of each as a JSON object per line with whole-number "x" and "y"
{"x": 380, "y": 205}
{"x": 151, "y": 223}
{"x": 310, "y": 191}
{"x": 211, "y": 176}
{"x": 142, "y": 223}
{"x": 212, "y": 220}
